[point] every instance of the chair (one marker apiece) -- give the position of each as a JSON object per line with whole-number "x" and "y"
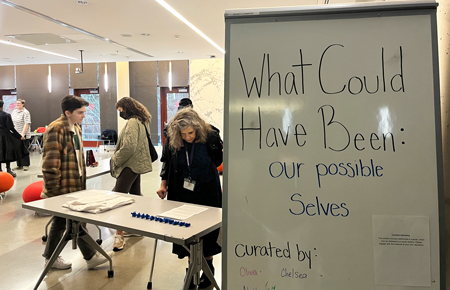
{"x": 33, "y": 192}
{"x": 6, "y": 182}
{"x": 109, "y": 136}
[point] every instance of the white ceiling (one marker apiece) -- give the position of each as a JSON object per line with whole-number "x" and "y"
{"x": 112, "y": 18}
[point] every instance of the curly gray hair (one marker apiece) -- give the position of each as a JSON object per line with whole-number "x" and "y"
{"x": 183, "y": 119}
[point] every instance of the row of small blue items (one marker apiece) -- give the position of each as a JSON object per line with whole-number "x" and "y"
{"x": 159, "y": 219}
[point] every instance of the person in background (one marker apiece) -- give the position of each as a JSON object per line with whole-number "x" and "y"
{"x": 189, "y": 173}
{"x": 22, "y": 121}
{"x": 132, "y": 155}
{"x": 11, "y": 146}
{"x": 64, "y": 171}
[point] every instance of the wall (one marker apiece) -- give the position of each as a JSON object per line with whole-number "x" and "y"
{"x": 206, "y": 89}
{"x": 45, "y": 106}
{"x": 32, "y": 86}
{"x": 143, "y": 88}
{"x": 108, "y": 98}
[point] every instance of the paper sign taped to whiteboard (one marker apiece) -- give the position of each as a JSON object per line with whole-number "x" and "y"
{"x": 402, "y": 250}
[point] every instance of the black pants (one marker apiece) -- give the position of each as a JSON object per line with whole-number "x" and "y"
{"x": 25, "y": 161}
{"x": 54, "y": 236}
{"x": 128, "y": 182}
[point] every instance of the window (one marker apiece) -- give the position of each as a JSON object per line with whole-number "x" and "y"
{"x": 9, "y": 103}
{"x": 91, "y": 124}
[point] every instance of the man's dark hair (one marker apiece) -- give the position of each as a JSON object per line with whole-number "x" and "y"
{"x": 1, "y": 103}
{"x": 71, "y": 103}
{"x": 185, "y": 102}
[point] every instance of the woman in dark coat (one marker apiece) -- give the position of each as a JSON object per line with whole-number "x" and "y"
{"x": 11, "y": 146}
{"x": 192, "y": 153}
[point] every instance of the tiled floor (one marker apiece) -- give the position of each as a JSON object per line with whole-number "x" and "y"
{"x": 21, "y": 231}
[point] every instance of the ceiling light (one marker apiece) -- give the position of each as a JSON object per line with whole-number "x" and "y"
{"x": 145, "y": 34}
{"x": 81, "y": 2}
{"x": 126, "y": 35}
{"x": 170, "y": 75}
{"x": 178, "y": 15}
{"x": 106, "y": 77}
{"x": 180, "y": 51}
{"x": 49, "y": 79}
{"x": 32, "y": 48}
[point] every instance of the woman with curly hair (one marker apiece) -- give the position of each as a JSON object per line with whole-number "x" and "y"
{"x": 189, "y": 173}
{"x": 132, "y": 155}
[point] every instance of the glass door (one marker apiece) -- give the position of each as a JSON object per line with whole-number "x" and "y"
{"x": 169, "y": 105}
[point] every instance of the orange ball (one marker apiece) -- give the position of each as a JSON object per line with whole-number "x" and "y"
{"x": 33, "y": 191}
{"x": 220, "y": 168}
{"x": 6, "y": 181}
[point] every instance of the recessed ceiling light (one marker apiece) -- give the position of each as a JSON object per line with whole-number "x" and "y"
{"x": 126, "y": 35}
{"x": 145, "y": 34}
{"x": 180, "y": 51}
{"x": 81, "y": 2}
{"x": 212, "y": 56}
{"x": 177, "y": 36}
{"x": 30, "y": 57}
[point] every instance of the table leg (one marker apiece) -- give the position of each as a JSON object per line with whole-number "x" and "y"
{"x": 149, "y": 284}
{"x": 88, "y": 239}
{"x": 197, "y": 263}
{"x": 62, "y": 243}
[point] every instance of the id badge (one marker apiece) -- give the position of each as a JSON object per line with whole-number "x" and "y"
{"x": 189, "y": 184}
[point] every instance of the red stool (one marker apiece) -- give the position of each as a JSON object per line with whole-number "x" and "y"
{"x": 33, "y": 191}
{"x": 6, "y": 182}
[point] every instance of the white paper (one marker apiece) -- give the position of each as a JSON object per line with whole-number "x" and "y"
{"x": 402, "y": 250}
{"x": 183, "y": 212}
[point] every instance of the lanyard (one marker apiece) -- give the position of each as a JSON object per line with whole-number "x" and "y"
{"x": 187, "y": 157}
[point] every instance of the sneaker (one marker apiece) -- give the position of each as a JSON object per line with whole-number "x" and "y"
{"x": 127, "y": 234}
{"x": 18, "y": 168}
{"x": 11, "y": 172}
{"x": 25, "y": 168}
{"x": 97, "y": 260}
{"x": 119, "y": 243}
{"x": 59, "y": 264}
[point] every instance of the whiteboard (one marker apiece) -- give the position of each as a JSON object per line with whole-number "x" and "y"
{"x": 333, "y": 159}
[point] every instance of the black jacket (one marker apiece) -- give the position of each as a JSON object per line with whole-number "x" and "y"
{"x": 169, "y": 170}
{"x": 6, "y": 122}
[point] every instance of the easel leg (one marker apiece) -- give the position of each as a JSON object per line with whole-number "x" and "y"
{"x": 62, "y": 243}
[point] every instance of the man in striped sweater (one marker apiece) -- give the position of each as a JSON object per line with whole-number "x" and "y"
{"x": 22, "y": 121}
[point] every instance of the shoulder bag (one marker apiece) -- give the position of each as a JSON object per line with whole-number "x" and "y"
{"x": 153, "y": 153}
